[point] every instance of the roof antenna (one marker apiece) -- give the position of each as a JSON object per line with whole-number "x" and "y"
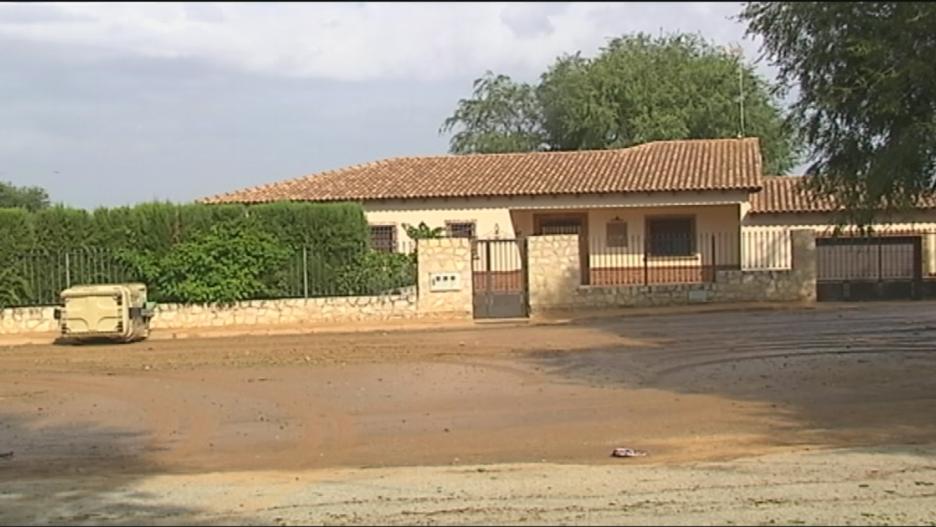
{"x": 735, "y": 50}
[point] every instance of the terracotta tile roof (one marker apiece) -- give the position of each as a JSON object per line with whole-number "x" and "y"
{"x": 689, "y": 165}
{"x": 786, "y": 194}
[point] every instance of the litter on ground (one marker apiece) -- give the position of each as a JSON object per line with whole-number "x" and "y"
{"x": 627, "y": 452}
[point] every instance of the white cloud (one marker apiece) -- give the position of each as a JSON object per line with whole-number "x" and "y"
{"x": 343, "y": 41}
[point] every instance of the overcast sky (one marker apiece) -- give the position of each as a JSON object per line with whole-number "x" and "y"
{"x": 110, "y": 104}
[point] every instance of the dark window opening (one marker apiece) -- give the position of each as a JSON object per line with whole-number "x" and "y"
{"x": 561, "y": 226}
{"x": 671, "y": 236}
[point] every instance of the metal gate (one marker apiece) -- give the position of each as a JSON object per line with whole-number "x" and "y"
{"x": 869, "y": 268}
{"x": 499, "y": 276}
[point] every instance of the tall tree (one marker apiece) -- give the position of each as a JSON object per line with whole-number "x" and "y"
{"x": 29, "y": 198}
{"x": 637, "y": 89}
{"x": 641, "y": 89}
{"x": 501, "y": 116}
{"x": 867, "y": 95}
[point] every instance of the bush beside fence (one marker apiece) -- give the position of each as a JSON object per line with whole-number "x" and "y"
{"x": 197, "y": 253}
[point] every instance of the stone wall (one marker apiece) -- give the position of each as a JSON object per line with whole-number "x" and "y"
{"x": 27, "y": 320}
{"x": 291, "y": 311}
{"x": 554, "y": 271}
{"x": 445, "y": 255}
{"x": 555, "y": 283}
{"x": 285, "y": 312}
{"x": 435, "y": 256}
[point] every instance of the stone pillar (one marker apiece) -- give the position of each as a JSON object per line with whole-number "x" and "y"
{"x": 554, "y": 272}
{"x": 444, "y": 256}
{"x": 804, "y": 262}
{"x": 927, "y": 248}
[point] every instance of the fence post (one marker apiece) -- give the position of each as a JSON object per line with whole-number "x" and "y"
{"x": 714, "y": 261}
{"x": 880, "y": 262}
{"x": 305, "y": 271}
{"x": 646, "y": 267}
{"x": 67, "y": 271}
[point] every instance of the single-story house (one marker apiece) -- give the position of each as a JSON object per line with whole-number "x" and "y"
{"x": 677, "y": 208}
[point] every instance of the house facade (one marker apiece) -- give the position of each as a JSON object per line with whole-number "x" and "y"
{"x": 667, "y": 211}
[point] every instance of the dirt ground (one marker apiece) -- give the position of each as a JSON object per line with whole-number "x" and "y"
{"x": 786, "y": 415}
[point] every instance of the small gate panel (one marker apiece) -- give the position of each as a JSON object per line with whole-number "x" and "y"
{"x": 499, "y": 278}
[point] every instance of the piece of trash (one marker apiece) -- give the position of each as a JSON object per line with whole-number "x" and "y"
{"x": 6, "y": 455}
{"x": 627, "y": 452}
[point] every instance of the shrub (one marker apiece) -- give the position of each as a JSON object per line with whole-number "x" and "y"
{"x": 14, "y": 288}
{"x": 337, "y": 231}
{"x": 232, "y": 261}
{"x": 170, "y": 247}
{"x": 423, "y": 231}
{"x": 16, "y": 233}
{"x": 377, "y": 272}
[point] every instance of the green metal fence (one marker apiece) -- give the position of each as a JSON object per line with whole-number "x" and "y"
{"x": 38, "y": 277}
{"x": 42, "y": 275}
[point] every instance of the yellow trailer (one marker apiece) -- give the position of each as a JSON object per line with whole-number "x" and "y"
{"x": 116, "y": 312}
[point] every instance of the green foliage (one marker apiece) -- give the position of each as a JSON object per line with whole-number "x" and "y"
{"x": 501, "y": 116}
{"x": 866, "y": 99}
{"x": 16, "y": 234}
{"x": 188, "y": 253}
{"x": 637, "y": 89}
{"x": 14, "y": 288}
{"x": 423, "y": 231}
{"x": 229, "y": 262}
{"x": 29, "y": 198}
{"x": 377, "y": 272}
{"x": 338, "y": 231}
{"x": 574, "y": 112}
{"x": 61, "y": 227}
{"x": 158, "y": 226}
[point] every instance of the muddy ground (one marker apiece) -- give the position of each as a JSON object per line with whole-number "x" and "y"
{"x": 450, "y": 422}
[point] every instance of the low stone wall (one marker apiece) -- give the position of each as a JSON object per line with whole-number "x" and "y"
{"x": 298, "y": 311}
{"x": 730, "y": 286}
{"x": 285, "y": 312}
{"x": 27, "y": 320}
{"x": 555, "y": 283}
{"x": 437, "y": 256}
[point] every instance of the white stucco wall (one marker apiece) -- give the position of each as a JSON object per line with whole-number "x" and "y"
{"x": 823, "y": 223}
{"x": 493, "y": 217}
{"x": 765, "y": 237}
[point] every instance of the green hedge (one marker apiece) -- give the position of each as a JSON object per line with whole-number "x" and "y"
{"x": 339, "y": 229}
{"x": 191, "y": 252}
{"x": 16, "y": 233}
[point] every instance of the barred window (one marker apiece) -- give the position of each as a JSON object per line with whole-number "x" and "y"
{"x": 459, "y": 229}
{"x": 383, "y": 238}
{"x": 560, "y": 225}
{"x": 673, "y": 236}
